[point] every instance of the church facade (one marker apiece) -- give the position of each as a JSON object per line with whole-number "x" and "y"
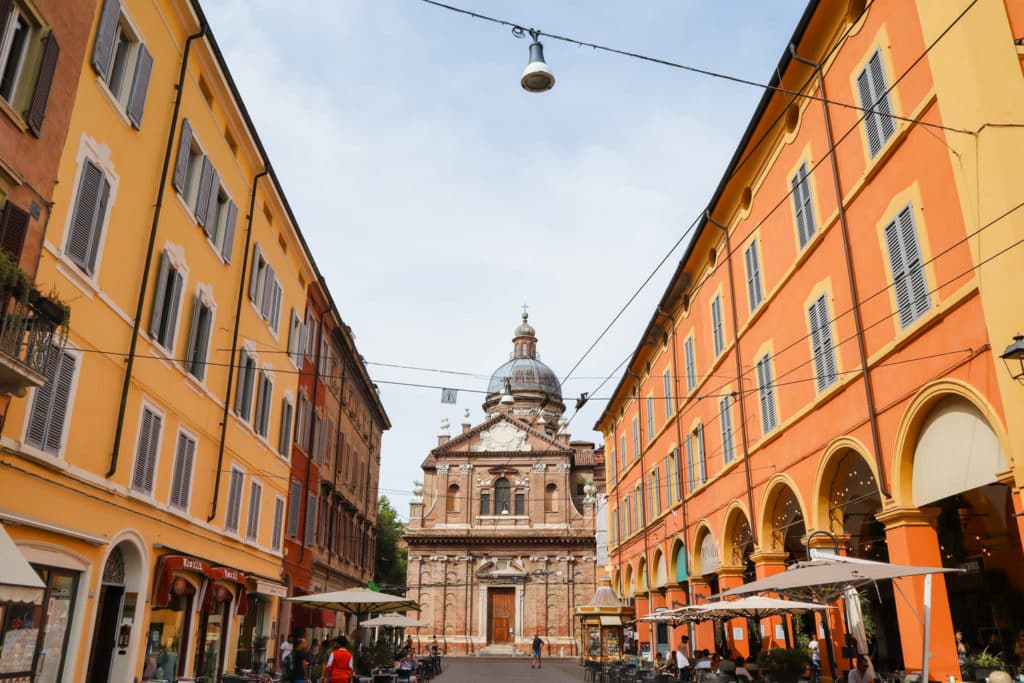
{"x": 501, "y": 531}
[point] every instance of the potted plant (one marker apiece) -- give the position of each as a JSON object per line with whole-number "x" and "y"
{"x": 984, "y": 663}
{"x": 782, "y": 664}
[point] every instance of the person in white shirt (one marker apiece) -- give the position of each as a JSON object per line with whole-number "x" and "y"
{"x": 741, "y": 673}
{"x": 861, "y": 673}
{"x": 704, "y": 661}
{"x": 682, "y": 661}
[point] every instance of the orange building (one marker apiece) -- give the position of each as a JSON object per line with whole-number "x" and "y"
{"x": 825, "y": 357}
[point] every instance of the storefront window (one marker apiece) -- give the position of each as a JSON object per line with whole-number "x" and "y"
{"x": 166, "y": 639}
{"x": 33, "y": 638}
{"x": 252, "y": 642}
{"x": 211, "y": 638}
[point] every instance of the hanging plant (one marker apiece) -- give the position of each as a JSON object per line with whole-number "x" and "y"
{"x": 54, "y": 309}
{"x": 13, "y": 280}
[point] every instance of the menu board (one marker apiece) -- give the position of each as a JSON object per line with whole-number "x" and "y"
{"x": 18, "y": 649}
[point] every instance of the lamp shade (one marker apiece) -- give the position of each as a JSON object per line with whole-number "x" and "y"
{"x": 537, "y": 77}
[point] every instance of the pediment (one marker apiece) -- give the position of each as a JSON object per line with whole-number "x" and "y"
{"x": 502, "y": 434}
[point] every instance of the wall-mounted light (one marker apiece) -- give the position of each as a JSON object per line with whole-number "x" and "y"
{"x": 1013, "y": 358}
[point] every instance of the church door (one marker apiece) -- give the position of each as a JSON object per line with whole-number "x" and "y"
{"x": 501, "y": 613}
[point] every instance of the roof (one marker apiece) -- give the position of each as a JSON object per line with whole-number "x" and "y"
{"x": 525, "y": 375}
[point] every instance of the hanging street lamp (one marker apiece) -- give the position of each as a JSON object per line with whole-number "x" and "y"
{"x": 537, "y": 76}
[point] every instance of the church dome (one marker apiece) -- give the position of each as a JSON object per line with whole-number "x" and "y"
{"x": 525, "y": 375}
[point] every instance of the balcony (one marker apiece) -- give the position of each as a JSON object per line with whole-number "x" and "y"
{"x": 33, "y": 328}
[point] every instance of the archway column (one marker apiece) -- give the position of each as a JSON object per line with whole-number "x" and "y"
{"x": 768, "y": 563}
{"x": 677, "y": 595}
{"x": 643, "y": 628}
{"x": 732, "y": 577}
{"x": 836, "y": 622}
{"x": 703, "y": 632}
{"x": 912, "y": 540}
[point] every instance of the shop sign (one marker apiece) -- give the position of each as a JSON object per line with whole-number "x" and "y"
{"x": 268, "y": 588}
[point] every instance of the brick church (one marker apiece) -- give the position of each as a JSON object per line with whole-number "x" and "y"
{"x": 502, "y": 530}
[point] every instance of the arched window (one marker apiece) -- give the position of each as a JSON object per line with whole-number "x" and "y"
{"x": 502, "y": 497}
{"x": 551, "y": 498}
{"x": 452, "y": 505}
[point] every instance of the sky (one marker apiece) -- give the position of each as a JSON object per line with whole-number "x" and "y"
{"x": 438, "y": 197}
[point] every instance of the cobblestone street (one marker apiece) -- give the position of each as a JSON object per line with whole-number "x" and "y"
{"x": 508, "y": 670}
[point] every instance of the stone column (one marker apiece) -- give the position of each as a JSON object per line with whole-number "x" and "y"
{"x": 703, "y": 632}
{"x": 911, "y": 537}
{"x": 731, "y": 577}
{"x": 767, "y": 563}
{"x": 643, "y": 628}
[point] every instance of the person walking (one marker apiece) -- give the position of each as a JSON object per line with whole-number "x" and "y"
{"x": 682, "y": 658}
{"x": 537, "y": 645}
{"x": 297, "y": 670}
{"x": 339, "y": 663}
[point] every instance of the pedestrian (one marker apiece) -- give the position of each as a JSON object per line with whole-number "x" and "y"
{"x": 815, "y": 660}
{"x": 298, "y": 662}
{"x": 339, "y": 663}
{"x": 682, "y": 660}
{"x": 537, "y": 645}
{"x": 861, "y": 673}
{"x": 284, "y": 651}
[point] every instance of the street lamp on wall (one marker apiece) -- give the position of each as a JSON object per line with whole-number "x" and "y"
{"x": 1013, "y": 358}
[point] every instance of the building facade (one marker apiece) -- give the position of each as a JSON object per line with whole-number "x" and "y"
{"x": 146, "y": 477}
{"x": 502, "y": 531}
{"x": 826, "y": 355}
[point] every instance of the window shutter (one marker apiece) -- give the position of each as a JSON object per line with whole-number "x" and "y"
{"x": 294, "y": 508}
{"x": 689, "y": 460}
{"x": 239, "y": 391}
{"x": 725, "y": 419}
{"x": 255, "y": 497}
{"x": 268, "y": 292}
{"x": 913, "y": 263}
{"x": 184, "y": 150}
{"x": 59, "y": 403}
{"x": 171, "y": 326}
{"x": 203, "y": 196}
{"x": 229, "y": 231}
{"x": 275, "y": 306}
{"x": 145, "y": 457}
{"x": 753, "y": 275}
{"x": 156, "y": 316}
{"x": 802, "y": 205}
{"x": 234, "y": 501}
{"x": 13, "y": 227}
{"x": 310, "y": 527}
{"x": 44, "y": 80}
{"x": 275, "y": 534}
{"x": 42, "y": 401}
{"x": 182, "y": 472}
{"x": 254, "y": 276}
{"x": 103, "y": 48}
{"x": 880, "y": 89}
{"x": 140, "y": 86}
{"x": 870, "y": 119}
{"x": 211, "y": 209}
{"x": 90, "y": 207}
{"x": 193, "y": 336}
{"x": 286, "y": 427}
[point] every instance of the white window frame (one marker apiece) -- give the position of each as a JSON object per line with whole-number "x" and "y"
{"x": 90, "y": 150}
{"x": 122, "y": 93}
{"x": 175, "y": 262}
{"x": 33, "y": 30}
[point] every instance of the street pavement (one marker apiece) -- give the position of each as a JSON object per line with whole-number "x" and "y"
{"x": 508, "y": 669}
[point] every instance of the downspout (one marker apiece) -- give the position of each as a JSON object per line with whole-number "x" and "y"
{"x": 869, "y": 393}
{"x": 234, "y": 344}
{"x": 123, "y": 407}
{"x": 311, "y": 447}
{"x": 739, "y": 374}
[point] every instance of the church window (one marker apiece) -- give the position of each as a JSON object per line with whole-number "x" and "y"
{"x": 551, "y": 498}
{"x": 485, "y": 503}
{"x": 452, "y": 504}
{"x": 502, "y": 496}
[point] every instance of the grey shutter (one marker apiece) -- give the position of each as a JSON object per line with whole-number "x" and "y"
{"x": 880, "y": 91}
{"x": 212, "y": 219}
{"x": 275, "y": 308}
{"x": 171, "y": 323}
{"x": 691, "y": 365}
{"x": 725, "y": 418}
{"x": 59, "y": 403}
{"x": 275, "y": 534}
{"x": 90, "y": 206}
{"x": 870, "y": 119}
{"x": 689, "y": 460}
{"x": 667, "y": 380}
{"x": 42, "y": 402}
{"x": 157, "y": 314}
{"x": 183, "y": 459}
{"x": 239, "y": 389}
{"x": 97, "y": 226}
{"x": 13, "y": 228}
{"x": 255, "y": 498}
{"x": 801, "y": 192}
{"x": 913, "y": 262}
{"x": 140, "y": 86}
{"x": 700, "y": 453}
{"x": 310, "y": 526}
{"x": 190, "y": 454}
{"x": 753, "y": 276}
{"x": 145, "y": 456}
{"x": 234, "y": 501}
{"x": 284, "y": 442}
{"x": 294, "y": 336}
{"x": 184, "y": 151}
{"x": 193, "y": 334}
{"x": 254, "y": 276}
{"x": 762, "y": 384}
{"x": 44, "y": 81}
{"x": 203, "y": 196}
{"x": 294, "y": 508}
{"x": 203, "y": 341}
{"x": 103, "y": 48}
{"x": 229, "y": 231}
{"x": 268, "y": 293}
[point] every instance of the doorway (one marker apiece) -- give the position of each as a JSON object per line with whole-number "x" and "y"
{"x": 501, "y": 615}
{"x": 108, "y": 618}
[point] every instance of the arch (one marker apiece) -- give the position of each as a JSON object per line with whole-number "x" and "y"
{"x": 628, "y": 587}
{"x": 617, "y": 585}
{"x": 831, "y": 467}
{"x": 660, "y": 571}
{"x": 502, "y": 496}
{"x": 680, "y": 566}
{"x": 776, "y": 492}
{"x": 452, "y": 501}
{"x": 642, "y": 585}
{"x": 737, "y": 534}
{"x": 705, "y": 550}
{"x": 551, "y": 498}
{"x": 914, "y": 418}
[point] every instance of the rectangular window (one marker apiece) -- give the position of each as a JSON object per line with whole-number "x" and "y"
{"x": 294, "y": 507}
{"x": 311, "y": 333}
{"x": 615, "y": 526}
{"x": 246, "y": 384}
{"x": 909, "y": 282}
{"x": 302, "y": 423}
{"x": 234, "y": 510}
{"x": 199, "y": 338}
{"x": 677, "y": 473}
{"x": 284, "y": 441}
{"x": 666, "y": 379}
{"x": 163, "y": 321}
{"x": 636, "y": 438}
{"x": 275, "y": 533}
{"x": 296, "y": 342}
{"x": 485, "y": 503}
{"x": 717, "y": 330}
{"x": 702, "y": 463}
{"x": 51, "y": 405}
{"x": 122, "y": 61}
{"x": 671, "y": 495}
{"x": 690, "y": 470}
{"x": 753, "y": 262}
{"x": 650, "y": 418}
{"x": 622, "y": 452}
{"x": 520, "y": 502}
{"x": 821, "y": 343}
{"x": 310, "y": 529}
{"x": 766, "y": 392}
{"x": 318, "y": 440}
{"x": 88, "y": 218}
{"x": 655, "y": 494}
{"x": 638, "y": 500}
{"x": 802, "y": 207}
{"x": 181, "y": 474}
{"x": 265, "y": 289}
{"x": 879, "y": 125}
{"x": 725, "y": 419}
{"x": 612, "y": 466}
{"x": 324, "y": 368}
{"x": 627, "y": 511}
{"x": 146, "y": 452}
{"x": 264, "y": 391}
{"x": 252, "y": 527}
{"x": 691, "y": 364}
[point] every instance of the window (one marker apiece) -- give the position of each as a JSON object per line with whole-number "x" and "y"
{"x": 725, "y": 420}
{"x": 690, "y": 469}
{"x": 163, "y": 320}
{"x": 311, "y": 332}
{"x": 551, "y": 498}
{"x": 28, "y": 61}
{"x": 667, "y": 388}
{"x": 614, "y": 526}
{"x": 318, "y": 438}
{"x": 122, "y": 61}
{"x": 702, "y": 463}
{"x": 802, "y": 208}
{"x": 622, "y": 452}
{"x": 199, "y": 185}
{"x": 636, "y": 438}
{"x": 181, "y": 475}
{"x": 452, "y": 501}
{"x": 13, "y": 228}
{"x": 754, "y": 292}
{"x": 88, "y": 218}
{"x": 691, "y": 364}
{"x": 265, "y": 289}
{"x": 627, "y": 508}
{"x": 650, "y": 417}
{"x": 275, "y": 533}
{"x": 310, "y": 529}
{"x": 879, "y": 124}
{"x": 766, "y": 391}
{"x": 485, "y": 503}
{"x": 146, "y": 452}
{"x": 302, "y": 423}
{"x": 612, "y": 462}
{"x": 821, "y": 344}
{"x": 296, "y": 340}
{"x": 909, "y": 282}
{"x": 520, "y": 504}
{"x": 246, "y": 382}
{"x": 671, "y": 494}
{"x": 717, "y": 330}
{"x": 294, "y": 508}
{"x": 655, "y": 493}
{"x": 638, "y": 501}
{"x": 234, "y": 510}
{"x": 51, "y": 404}
{"x": 252, "y": 527}
{"x": 199, "y": 338}
{"x": 221, "y": 220}
{"x": 325, "y": 358}
{"x": 285, "y": 439}
{"x": 264, "y": 390}
{"x": 502, "y": 496}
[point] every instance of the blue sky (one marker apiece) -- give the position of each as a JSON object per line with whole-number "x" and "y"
{"x": 438, "y": 196}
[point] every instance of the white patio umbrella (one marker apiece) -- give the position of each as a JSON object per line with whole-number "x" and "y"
{"x": 394, "y": 620}
{"x": 357, "y": 601}
{"x": 18, "y": 581}
{"x": 756, "y": 607}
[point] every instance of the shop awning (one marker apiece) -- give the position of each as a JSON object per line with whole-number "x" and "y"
{"x": 18, "y": 581}
{"x": 611, "y": 621}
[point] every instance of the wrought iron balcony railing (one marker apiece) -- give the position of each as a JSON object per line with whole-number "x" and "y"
{"x": 31, "y": 336}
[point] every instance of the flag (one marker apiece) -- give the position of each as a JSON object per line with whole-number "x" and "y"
{"x": 449, "y": 395}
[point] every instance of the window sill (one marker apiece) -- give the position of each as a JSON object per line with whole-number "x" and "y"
{"x": 77, "y": 277}
{"x": 113, "y": 101}
{"x": 13, "y": 115}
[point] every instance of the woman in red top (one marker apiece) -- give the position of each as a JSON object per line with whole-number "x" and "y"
{"x": 339, "y": 664}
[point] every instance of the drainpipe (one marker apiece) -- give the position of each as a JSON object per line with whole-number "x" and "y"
{"x": 869, "y": 393}
{"x": 234, "y": 344}
{"x": 144, "y": 285}
{"x": 739, "y": 374}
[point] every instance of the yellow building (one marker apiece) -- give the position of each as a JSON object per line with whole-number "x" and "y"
{"x": 147, "y": 480}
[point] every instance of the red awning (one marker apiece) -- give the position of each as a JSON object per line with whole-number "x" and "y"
{"x": 310, "y": 617}
{"x": 165, "y": 576}
{"x": 236, "y": 577}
